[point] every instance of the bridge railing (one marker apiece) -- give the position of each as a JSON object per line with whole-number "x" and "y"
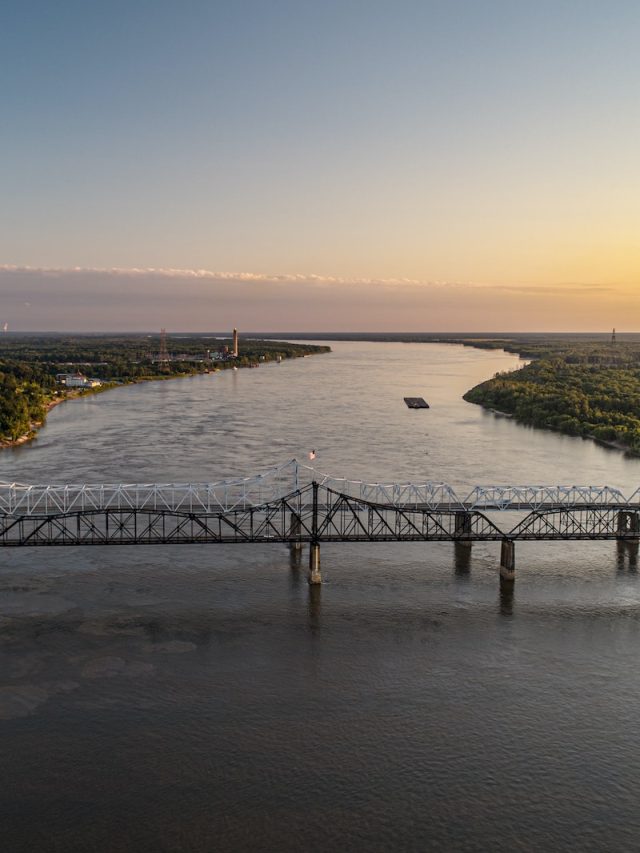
{"x": 506, "y": 497}
{"x": 397, "y": 494}
{"x": 224, "y": 495}
{"x": 289, "y": 478}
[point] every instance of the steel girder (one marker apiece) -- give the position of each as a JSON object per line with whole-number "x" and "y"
{"x": 314, "y": 513}
{"x": 579, "y": 522}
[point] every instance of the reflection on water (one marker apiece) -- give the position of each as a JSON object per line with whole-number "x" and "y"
{"x": 627, "y": 556}
{"x": 205, "y": 698}
{"x": 462, "y": 558}
{"x": 506, "y": 599}
{"x": 315, "y": 606}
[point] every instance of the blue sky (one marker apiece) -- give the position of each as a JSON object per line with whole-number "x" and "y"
{"x": 476, "y": 144}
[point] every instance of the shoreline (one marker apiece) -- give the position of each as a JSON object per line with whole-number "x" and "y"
{"x": 36, "y": 426}
{"x": 610, "y": 445}
{"x": 514, "y": 349}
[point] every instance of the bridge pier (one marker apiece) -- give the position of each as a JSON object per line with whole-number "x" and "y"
{"x": 315, "y": 576}
{"x": 507, "y": 563}
{"x": 462, "y": 529}
{"x": 628, "y": 526}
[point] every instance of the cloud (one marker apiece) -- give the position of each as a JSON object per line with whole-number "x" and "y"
{"x": 137, "y": 298}
{"x": 547, "y": 289}
{"x": 285, "y": 278}
{"x": 202, "y": 274}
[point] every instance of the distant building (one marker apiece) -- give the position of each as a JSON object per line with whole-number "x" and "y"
{"x": 77, "y": 380}
{"x": 221, "y": 354}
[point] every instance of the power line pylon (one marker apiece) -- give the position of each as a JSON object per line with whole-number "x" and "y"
{"x": 163, "y": 355}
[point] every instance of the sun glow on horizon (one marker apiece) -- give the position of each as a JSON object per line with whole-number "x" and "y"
{"x": 425, "y": 167}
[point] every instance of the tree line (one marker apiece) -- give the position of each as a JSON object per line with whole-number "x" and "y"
{"x": 584, "y": 390}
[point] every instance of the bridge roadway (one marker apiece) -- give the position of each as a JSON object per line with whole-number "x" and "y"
{"x": 297, "y": 505}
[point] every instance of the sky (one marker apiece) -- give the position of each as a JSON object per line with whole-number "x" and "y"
{"x": 463, "y": 165}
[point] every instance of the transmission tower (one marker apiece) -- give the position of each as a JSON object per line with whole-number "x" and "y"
{"x": 163, "y": 355}
{"x": 613, "y": 336}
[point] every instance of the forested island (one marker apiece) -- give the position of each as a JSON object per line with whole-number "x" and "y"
{"x": 31, "y": 366}
{"x": 578, "y": 387}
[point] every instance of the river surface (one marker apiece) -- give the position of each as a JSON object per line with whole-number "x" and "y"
{"x": 202, "y": 698}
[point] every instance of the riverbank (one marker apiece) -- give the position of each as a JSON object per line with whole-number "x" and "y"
{"x": 36, "y": 426}
{"x": 252, "y": 359}
{"x": 29, "y": 364}
{"x": 588, "y": 390}
{"x": 51, "y": 404}
{"x": 612, "y": 445}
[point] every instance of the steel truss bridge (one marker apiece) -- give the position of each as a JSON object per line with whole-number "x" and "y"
{"x": 296, "y": 504}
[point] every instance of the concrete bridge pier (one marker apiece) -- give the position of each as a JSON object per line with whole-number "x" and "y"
{"x": 315, "y": 576}
{"x": 628, "y": 525}
{"x": 462, "y": 529}
{"x": 507, "y": 564}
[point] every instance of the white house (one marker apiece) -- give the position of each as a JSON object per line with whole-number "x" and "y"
{"x": 77, "y": 380}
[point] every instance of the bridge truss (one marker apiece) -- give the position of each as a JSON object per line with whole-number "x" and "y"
{"x": 296, "y": 505}
{"x": 283, "y": 480}
{"x": 314, "y": 513}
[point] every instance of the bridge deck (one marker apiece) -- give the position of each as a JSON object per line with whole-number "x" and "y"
{"x": 294, "y": 503}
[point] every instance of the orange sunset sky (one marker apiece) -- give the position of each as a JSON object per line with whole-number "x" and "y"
{"x": 418, "y": 166}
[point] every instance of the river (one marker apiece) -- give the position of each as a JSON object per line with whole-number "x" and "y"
{"x": 200, "y": 698}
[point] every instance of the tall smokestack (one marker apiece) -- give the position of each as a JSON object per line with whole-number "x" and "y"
{"x": 235, "y": 343}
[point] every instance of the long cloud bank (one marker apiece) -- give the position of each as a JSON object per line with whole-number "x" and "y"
{"x": 119, "y": 299}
